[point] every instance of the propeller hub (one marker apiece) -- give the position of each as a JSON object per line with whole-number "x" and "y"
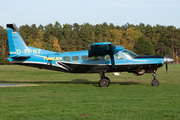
{"x": 167, "y": 60}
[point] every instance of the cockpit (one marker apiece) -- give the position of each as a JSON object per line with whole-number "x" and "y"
{"x": 129, "y": 54}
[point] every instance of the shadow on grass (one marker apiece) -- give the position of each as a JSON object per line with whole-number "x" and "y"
{"x": 75, "y": 81}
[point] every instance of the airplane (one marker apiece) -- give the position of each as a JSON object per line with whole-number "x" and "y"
{"x": 101, "y": 58}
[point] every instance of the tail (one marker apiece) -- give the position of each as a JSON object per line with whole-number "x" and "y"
{"x": 17, "y": 45}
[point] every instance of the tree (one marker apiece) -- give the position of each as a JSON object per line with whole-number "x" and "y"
{"x": 85, "y": 35}
{"x": 38, "y": 42}
{"x": 93, "y": 36}
{"x": 144, "y": 47}
{"x": 130, "y": 38}
{"x": 75, "y": 36}
{"x": 34, "y": 31}
{"x": 56, "y": 45}
{"x": 41, "y": 27}
{"x": 151, "y": 34}
{"x": 49, "y": 30}
{"x": 114, "y": 36}
{"x": 66, "y": 38}
{"x": 98, "y": 33}
{"x": 57, "y": 30}
{"x": 25, "y": 31}
{"x": 4, "y": 52}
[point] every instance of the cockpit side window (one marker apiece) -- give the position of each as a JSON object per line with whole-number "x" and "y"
{"x": 118, "y": 56}
{"x": 129, "y": 54}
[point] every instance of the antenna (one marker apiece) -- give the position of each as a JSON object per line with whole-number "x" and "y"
{"x": 57, "y": 52}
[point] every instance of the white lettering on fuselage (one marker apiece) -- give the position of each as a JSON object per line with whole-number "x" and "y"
{"x": 28, "y": 51}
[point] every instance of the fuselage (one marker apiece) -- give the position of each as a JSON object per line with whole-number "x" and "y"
{"x": 79, "y": 62}
{"x": 100, "y": 58}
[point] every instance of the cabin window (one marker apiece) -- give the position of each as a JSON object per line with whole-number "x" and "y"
{"x": 118, "y": 56}
{"x": 107, "y": 57}
{"x": 75, "y": 58}
{"x": 67, "y": 58}
{"x": 95, "y": 58}
{"x": 84, "y": 58}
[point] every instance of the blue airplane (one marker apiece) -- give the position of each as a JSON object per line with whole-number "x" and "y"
{"x": 100, "y": 58}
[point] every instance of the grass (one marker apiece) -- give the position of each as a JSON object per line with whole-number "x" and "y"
{"x": 77, "y": 96}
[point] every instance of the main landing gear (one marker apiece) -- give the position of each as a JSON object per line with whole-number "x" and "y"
{"x": 104, "y": 81}
{"x": 155, "y": 82}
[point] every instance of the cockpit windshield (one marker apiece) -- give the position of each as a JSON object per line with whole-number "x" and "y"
{"x": 129, "y": 54}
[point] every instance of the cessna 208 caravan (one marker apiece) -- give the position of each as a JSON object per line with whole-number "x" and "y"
{"x": 100, "y": 58}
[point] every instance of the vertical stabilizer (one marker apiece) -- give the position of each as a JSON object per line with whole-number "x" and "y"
{"x": 17, "y": 46}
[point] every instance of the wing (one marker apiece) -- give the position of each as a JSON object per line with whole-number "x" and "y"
{"x": 104, "y": 48}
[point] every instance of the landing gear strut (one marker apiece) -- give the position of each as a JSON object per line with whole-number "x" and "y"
{"x": 104, "y": 81}
{"x": 155, "y": 82}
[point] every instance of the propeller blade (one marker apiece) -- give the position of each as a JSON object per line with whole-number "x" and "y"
{"x": 166, "y": 57}
{"x": 166, "y": 68}
{"x": 166, "y": 49}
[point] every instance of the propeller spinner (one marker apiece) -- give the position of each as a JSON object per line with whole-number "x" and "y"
{"x": 166, "y": 61}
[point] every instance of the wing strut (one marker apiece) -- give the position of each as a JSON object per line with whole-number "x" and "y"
{"x": 112, "y": 57}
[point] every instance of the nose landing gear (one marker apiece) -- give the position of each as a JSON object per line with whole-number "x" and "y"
{"x": 155, "y": 82}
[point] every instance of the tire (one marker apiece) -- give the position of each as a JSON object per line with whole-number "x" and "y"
{"x": 108, "y": 79}
{"x": 155, "y": 82}
{"x": 104, "y": 82}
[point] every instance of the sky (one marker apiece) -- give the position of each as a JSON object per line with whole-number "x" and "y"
{"x": 118, "y": 12}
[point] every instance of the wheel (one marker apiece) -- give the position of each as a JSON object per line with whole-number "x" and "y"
{"x": 104, "y": 82}
{"x": 108, "y": 79}
{"x": 155, "y": 82}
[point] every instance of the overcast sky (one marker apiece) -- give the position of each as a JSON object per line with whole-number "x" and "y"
{"x": 118, "y": 12}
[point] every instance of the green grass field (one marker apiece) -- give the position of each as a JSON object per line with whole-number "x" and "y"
{"x": 77, "y": 96}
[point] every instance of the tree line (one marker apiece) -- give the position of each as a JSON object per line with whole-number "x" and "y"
{"x": 141, "y": 39}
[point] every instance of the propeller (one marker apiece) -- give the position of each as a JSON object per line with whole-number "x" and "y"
{"x": 166, "y": 68}
{"x": 166, "y": 57}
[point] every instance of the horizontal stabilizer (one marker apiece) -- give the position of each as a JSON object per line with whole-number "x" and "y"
{"x": 20, "y": 56}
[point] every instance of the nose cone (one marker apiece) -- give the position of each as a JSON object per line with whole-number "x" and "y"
{"x": 167, "y": 60}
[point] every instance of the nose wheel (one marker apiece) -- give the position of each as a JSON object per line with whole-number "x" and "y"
{"x": 155, "y": 82}
{"x": 104, "y": 81}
